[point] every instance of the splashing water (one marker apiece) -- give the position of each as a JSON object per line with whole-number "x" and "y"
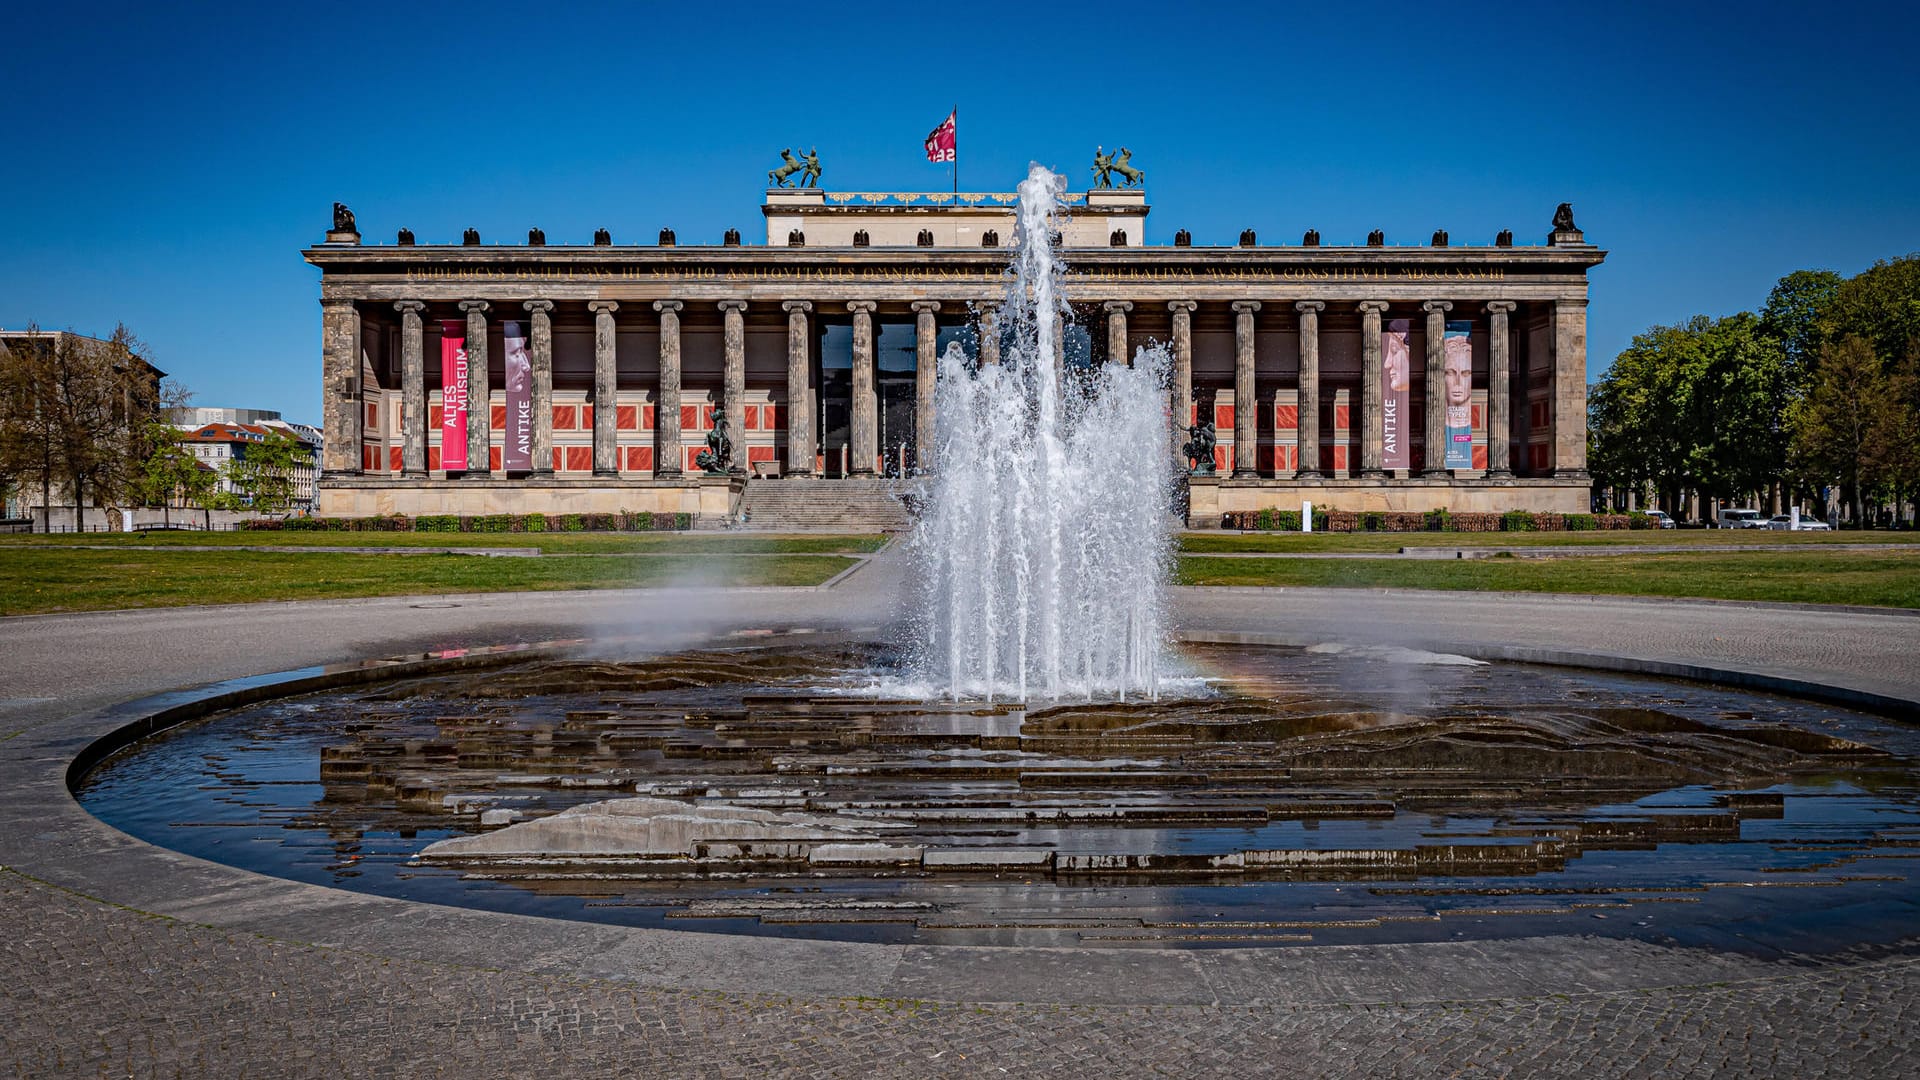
{"x": 1045, "y": 543}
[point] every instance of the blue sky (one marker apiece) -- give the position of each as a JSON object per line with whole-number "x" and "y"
{"x": 168, "y": 161}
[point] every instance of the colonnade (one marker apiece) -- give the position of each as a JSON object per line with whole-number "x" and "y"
{"x": 341, "y": 332}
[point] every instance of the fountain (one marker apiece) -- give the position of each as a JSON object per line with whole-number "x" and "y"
{"x": 1022, "y": 768}
{"x": 1045, "y": 544}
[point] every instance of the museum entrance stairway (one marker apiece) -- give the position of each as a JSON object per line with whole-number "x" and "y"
{"x": 864, "y": 505}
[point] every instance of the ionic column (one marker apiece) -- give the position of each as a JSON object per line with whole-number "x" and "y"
{"x": 541, "y": 344}
{"x": 925, "y": 337}
{"x": 733, "y": 381}
{"x": 799, "y": 393}
{"x": 479, "y": 395}
{"x": 1499, "y": 395}
{"x": 989, "y": 333}
{"x": 413, "y": 390}
{"x": 1436, "y": 464}
{"x": 343, "y": 412}
{"x": 1373, "y": 429}
{"x": 667, "y": 413}
{"x": 865, "y": 435}
{"x": 1246, "y": 428}
{"x": 606, "y": 398}
{"x": 1570, "y": 388}
{"x": 1117, "y": 332}
{"x": 1182, "y": 392}
{"x": 1307, "y": 425}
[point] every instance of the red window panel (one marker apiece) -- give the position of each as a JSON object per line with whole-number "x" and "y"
{"x": 1339, "y": 457}
{"x": 639, "y": 458}
{"x": 366, "y": 459}
{"x": 434, "y": 417}
{"x": 1340, "y": 418}
{"x": 394, "y": 462}
{"x": 688, "y": 453}
{"x": 563, "y": 417}
{"x": 1537, "y": 457}
{"x": 1286, "y": 417}
{"x": 493, "y": 458}
{"x": 759, "y": 453}
{"x": 1479, "y": 457}
{"x": 707, "y": 413}
{"x": 586, "y": 418}
{"x": 579, "y": 459}
{"x": 1220, "y": 462}
{"x": 498, "y": 415}
{"x": 1476, "y": 417}
{"x": 751, "y": 417}
{"x": 1193, "y": 414}
{"x": 373, "y": 414}
{"x": 626, "y": 417}
{"x": 559, "y": 459}
{"x": 433, "y": 457}
{"x": 1292, "y": 457}
{"x": 689, "y": 418}
{"x": 646, "y": 418}
{"x": 1223, "y": 417}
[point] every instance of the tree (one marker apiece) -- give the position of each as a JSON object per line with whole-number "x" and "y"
{"x": 168, "y": 473}
{"x": 1740, "y": 401}
{"x": 1835, "y": 425}
{"x": 262, "y": 472}
{"x": 1880, "y": 304}
{"x": 1793, "y": 316}
{"x": 72, "y": 410}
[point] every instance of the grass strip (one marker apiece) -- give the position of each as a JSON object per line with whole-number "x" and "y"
{"x": 1878, "y": 579}
{"x": 42, "y": 581}
{"x": 548, "y": 543}
{"x": 1200, "y": 543}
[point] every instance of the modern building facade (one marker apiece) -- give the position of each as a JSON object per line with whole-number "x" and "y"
{"x": 818, "y": 350}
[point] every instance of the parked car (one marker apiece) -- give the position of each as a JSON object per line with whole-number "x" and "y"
{"x": 1740, "y": 519}
{"x": 1660, "y": 519}
{"x": 1807, "y": 524}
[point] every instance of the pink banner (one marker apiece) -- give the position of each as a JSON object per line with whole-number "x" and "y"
{"x": 1396, "y": 394}
{"x": 517, "y": 455}
{"x": 453, "y": 395}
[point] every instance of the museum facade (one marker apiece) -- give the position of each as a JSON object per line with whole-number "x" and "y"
{"x": 509, "y": 378}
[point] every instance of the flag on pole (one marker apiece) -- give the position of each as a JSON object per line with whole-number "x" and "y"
{"x": 942, "y": 141}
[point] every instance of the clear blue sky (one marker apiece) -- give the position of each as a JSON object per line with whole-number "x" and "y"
{"x": 166, "y": 162}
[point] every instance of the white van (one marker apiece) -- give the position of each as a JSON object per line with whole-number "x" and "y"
{"x": 1740, "y": 519}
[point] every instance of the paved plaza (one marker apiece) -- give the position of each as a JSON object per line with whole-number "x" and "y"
{"x": 124, "y": 959}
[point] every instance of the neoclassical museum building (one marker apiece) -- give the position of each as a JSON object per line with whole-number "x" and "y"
{"x": 1379, "y": 375}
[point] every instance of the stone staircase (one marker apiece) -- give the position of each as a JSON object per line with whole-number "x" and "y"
{"x": 839, "y": 506}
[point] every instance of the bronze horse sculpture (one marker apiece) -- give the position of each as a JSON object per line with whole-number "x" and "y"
{"x": 1106, "y": 165}
{"x": 809, "y": 170}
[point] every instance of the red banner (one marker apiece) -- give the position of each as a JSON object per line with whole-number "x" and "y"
{"x": 942, "y": 141}
{"x": 517, "y": 454}
{"x": 1396, "y": 395}
{"x": 453, "y": 395}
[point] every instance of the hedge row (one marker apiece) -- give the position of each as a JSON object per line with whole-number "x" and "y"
{"x": 1431, "y": 521}
{"x": 624, "y": 521}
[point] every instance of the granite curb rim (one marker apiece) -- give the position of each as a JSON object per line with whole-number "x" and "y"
{"x": 67, "y": 848}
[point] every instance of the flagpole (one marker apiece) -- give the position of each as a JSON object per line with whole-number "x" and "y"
{"x": 956, "y": 148}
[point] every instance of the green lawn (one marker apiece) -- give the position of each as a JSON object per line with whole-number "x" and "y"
{"x": 36, "y": 581}
{"x": 1884, "y": 579}
{"x": 1705, "y": 539}
{"x": 664, "y": 543}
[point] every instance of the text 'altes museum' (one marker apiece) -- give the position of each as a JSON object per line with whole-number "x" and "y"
{"x": 605, "y": 368}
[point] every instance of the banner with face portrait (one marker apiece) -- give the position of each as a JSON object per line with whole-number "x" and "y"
{"x": 1457, "y": 384}
{"x": 1396, "y": 394}
{"x": 517, "y": 454}
{"x": 453, "y": 395}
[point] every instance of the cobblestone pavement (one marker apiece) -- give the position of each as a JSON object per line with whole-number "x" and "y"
{"x": 246, "y": 976}
{"x": 95, "y": 990}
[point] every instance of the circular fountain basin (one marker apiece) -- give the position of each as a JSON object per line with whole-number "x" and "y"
{"x": 1321, "y": 795}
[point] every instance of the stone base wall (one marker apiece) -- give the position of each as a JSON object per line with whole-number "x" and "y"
{"x": 711, "y": 500}
{"x": 1208, "y": 499}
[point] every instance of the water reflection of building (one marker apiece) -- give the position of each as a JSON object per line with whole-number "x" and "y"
{"x": 637, "y": 349}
